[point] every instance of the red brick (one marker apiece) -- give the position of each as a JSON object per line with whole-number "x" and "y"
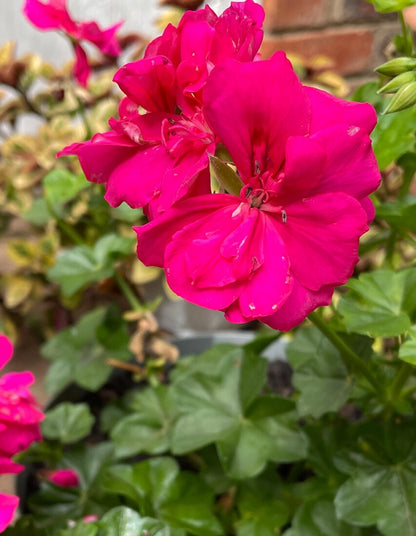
{"x": 351, "y": 49}
{"x": 285, "y": 14}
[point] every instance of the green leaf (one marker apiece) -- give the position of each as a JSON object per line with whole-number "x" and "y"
{"x": 262, "y": 512}
{"x": 89, "y": 461}
{"x": 68, "y": 422}
{"x": 393, "y": 136}
{"x": 368, "y": 92}
{"x": 217, "y": 402}
{"x": 407, "y": 351}
{"x": 81, "y": 265}
{"x": 160, "y": 489}
{"x": 80, "y": 353}
{"x": 123, "y": 521}
{"x": 38, "y": 213}
{"x": 381, "y": 488}
{"x": 226, "y": 176}
{"x": 318, "y": 518}
{"x": 61, "y": 185}
{"x": 388, "y": 6}
{"x": 381, "y": 495}
{"x": 381, "y": 303}
{"x": 80, "y": 529}
{"x": 319, "y": 373}
{"x": 125, "y": 213}
{"x": 149, "y": 427}
{"x": 400, "y": 213}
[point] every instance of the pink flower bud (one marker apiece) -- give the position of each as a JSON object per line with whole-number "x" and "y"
{"x": 66, "y": 478}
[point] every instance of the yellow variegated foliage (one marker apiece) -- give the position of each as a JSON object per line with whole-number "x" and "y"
{"x": 141, "y": 274}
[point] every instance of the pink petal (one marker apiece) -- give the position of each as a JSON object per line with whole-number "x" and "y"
{"x": 154, "y": 237}
{"x": 254, "y": 108}
{"x": 18, "y": 437}
{"x": 142, "y": 128}
{"x": 297, "y": 307}
{"x": 8, "y": 466}
{"x": 244, "y": 246}
{"x": 81, "y": 67}
{"x": 137, "y": 180}
{"x": 351, "y": 166}
{"x": 8, "y": 506}
{"x": 50, "y": 16}
{"x": 188, "y": 176}
{"x": 304, "y": 165}
{"x": 167, "y": 45}
{"x": 17, "y": 382}
{"x": 321, "y": 235}
{"x": 90, "y": 518}
{"x": 150, "y": 83}
{"x": 100, "y": 155}
{"x": 238, "y": 32}
{"x": 194, "y": 270}
{"x": 269, "y": 286}
{"x": 64, "y": 477}
{"x": 105, "y": 40}
{"x": 6, "y": 350}
{"x": 368, "y": 206}
{"x": 196, "y": 41}
{"x": 328, "y": 110}
{"x": 18, "y": 411}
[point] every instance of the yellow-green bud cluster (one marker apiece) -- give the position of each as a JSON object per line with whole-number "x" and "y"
{"x": 403, "y": 83}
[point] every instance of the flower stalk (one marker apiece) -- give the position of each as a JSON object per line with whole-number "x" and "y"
{"x": 351, "y": 360}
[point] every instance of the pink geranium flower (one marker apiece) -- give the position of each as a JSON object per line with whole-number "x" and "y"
{"x": 19, "y": 424}
{"x": 66, "y": 478}
{"x": 154, "y": 159}
{"x": 8, "y": 507}
{"x": 53, "y": 15}
{"x": 277, "y": 250}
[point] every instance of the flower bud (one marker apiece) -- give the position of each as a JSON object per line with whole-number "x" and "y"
{"x": 398, "y": 81}
{"x": 397, "y": 66}
{"x": 404, "y": 98}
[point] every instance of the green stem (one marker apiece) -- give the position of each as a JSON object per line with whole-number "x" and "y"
{"x": 81, "y": 110}
{"x": 65, "y": 227}
{"x": 406, "y": 37}
{"x": 351, "y": 359}
{"x": 403, "y": 374}
{"x": 390, "y": 246}
{"x": 70, "y": 232}
{"x": 29, "y": 105}
{"x": 127, "y": 292}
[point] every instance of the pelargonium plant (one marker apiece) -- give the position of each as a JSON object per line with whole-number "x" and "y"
{"x": 260, "y": 197}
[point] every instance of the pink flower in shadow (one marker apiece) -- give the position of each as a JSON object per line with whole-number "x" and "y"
{"x": 66, "y": 478}
{"x": 53, "y": 15}
{"x": 19, "y": 424}
{"x": 277, "y": 250}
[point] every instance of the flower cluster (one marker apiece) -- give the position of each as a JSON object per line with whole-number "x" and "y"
{"x": 19, "y": 424}
{"x": 280, "y": 233}
{"x": 54, "y": 16}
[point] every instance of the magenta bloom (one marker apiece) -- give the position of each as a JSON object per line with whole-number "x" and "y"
{"x": 67, "y": 478}
{"x": 276, "y": 251}
{"x": 154, "y": 159}
{"x": 8, "y": 507}
{"x": 19, "y": 424}
{"x": 53, "y": 15}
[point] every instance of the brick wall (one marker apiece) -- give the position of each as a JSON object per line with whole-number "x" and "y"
{"x": 349, "y": 32}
